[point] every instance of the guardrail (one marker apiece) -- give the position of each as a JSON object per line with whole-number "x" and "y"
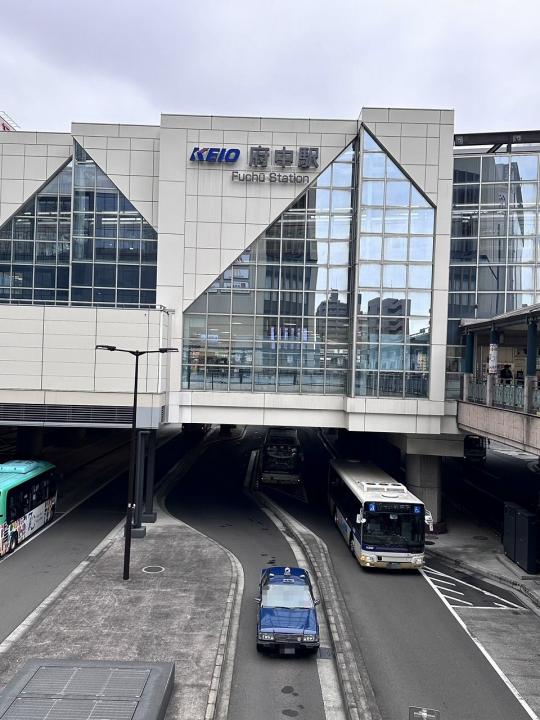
{"x": 510, "y": 395}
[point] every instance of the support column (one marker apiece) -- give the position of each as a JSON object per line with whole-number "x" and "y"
{"x": 468, "y": 365}
{"x": 138, "y": 530}
{"x": 531, "y": 381}
{"x": 149, "y": 516}
{"x": 29, "y": 443}
{"x": 424, "y": 481}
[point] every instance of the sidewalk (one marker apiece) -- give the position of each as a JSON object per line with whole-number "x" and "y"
{"x": 478, "y": 549}
{"x": 168, "y": 615}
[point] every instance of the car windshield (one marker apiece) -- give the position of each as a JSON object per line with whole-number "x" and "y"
{"x": 387, "y": 529}
{"x": 286, "y": 596}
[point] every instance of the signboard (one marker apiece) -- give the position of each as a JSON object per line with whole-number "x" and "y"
{"x": 493, "y": 358}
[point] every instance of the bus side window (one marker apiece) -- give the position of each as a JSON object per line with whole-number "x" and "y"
{"x": 26, "y": 498}
{"x": 14, "y": 505}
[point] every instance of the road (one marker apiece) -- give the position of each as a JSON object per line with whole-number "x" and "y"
{"x": 415, "y": 651}
{"x": 211, "y": 499}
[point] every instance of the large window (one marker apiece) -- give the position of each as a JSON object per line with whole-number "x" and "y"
{"x": 494, "y": 242}
{"x": 277, "y": 320}
{"x": 394, "y": 278}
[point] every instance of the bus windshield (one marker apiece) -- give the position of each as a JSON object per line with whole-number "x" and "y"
{"x": 393, "y": 530}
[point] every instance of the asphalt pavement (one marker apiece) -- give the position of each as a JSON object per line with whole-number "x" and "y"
{"x": 416, "y": 651}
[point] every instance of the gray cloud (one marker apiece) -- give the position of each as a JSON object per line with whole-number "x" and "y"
{"x": 119, "y": 61}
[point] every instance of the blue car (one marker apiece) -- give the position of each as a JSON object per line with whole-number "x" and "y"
{"x": 287, "y": 618}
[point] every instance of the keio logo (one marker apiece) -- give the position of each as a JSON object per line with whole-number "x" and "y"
{"x": 215, "y": 155}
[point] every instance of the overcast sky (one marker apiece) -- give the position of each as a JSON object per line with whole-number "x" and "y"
{"x": 129, "y": 60}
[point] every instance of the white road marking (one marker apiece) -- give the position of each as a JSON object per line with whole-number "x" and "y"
{"x": 445, "y": 582}
{"x": 452, "y": 591}
{"x": 474, "y": 587}
{"x": 484, "y": 652}
{"x": 465, "y": 602}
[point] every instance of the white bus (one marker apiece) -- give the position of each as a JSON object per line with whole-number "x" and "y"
{"x": 381, "y": 521}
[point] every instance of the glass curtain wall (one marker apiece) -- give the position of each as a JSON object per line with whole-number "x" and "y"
{"x": 494, "y": 246}
{"x": 114, "y": 260}
{"x": 277, "y": 320}
{"x": 35, "y": 246}
{"x": 394, "y": 280}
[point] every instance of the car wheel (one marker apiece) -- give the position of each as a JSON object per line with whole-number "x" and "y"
{"x": 14, "y": 541}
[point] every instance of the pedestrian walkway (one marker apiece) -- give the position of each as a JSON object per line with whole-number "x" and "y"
{"x": 176, "y": 606}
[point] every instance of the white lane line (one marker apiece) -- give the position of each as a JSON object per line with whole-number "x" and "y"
{"x": 484, "y": 652}
{"x": 478, "y": 589}
{"x": 445, "y": 582}
{"x": 455, "y": 599}
{"x": 457, "y": 592}
{"x": 328, "y": 677}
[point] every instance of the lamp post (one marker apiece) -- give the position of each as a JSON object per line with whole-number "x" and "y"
{"x": 133, "y": 450}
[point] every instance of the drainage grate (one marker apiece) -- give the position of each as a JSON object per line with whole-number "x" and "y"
{"x": 61, "y": 709}
{"x": 88, "y": 690}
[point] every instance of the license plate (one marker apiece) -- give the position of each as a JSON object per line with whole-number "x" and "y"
{"x": 394, "y": 565}
{"x": 287, "y": 651}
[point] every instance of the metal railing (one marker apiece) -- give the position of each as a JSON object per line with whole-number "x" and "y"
{"x": 477, "y": 392}
{"x": 508, "y": 395}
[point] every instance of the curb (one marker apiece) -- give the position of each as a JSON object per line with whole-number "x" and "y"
{"x": 358, "y": 695}
{"x": 514, "y": 584}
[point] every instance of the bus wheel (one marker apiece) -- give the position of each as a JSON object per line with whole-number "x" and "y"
{"x": 351, "y": 545}
{"x": 13, "y": 542}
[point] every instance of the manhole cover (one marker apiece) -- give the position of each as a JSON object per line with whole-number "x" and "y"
{"x": 153, "y": 569}
{"x": 429, "y": 542}
{"x": 480, "y": 537}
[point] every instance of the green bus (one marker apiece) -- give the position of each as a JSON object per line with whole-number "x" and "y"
{"x": 27, "y": 500}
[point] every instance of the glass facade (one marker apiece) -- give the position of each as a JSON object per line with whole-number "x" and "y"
{"x": 78, "y": 241}
{"x": 35, "y": 246}
{"x": 114, "y": 253}
{"x": 277, "y": 320}
{"x": 494, "y": 246}
{"x": 338, "y": 288}
{"x": 394, "y": 280}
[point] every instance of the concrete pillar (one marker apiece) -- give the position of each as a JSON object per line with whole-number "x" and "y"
{"x": 493, "y": 357}
{"x": 149, "y": 515}
{"x": 467, "y": 378}
{"x": 29, "y": 444}
{"x": 138, "y": 530}
{"x": 530, "y": 385}
{"x": 531, "y": 381}
{"x": 490, "y": 389}
{"x": 469, "y": 354}
{"x": 424, "y": 481}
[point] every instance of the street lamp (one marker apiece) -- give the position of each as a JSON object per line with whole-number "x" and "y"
{"x": 133, "y": 451}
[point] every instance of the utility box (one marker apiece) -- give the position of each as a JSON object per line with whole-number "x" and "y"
{"x": 526, "y": 540}
{"x": 509, "y": 533}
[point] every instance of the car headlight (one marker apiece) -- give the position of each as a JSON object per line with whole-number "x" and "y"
{"x": 266, "y": 636}
{"x": 418, "y": 560}
{"x": 310, "y": 638}
{"x": 369, "y": 558}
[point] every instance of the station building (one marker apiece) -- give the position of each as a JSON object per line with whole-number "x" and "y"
{"x": 308, "y": 270}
